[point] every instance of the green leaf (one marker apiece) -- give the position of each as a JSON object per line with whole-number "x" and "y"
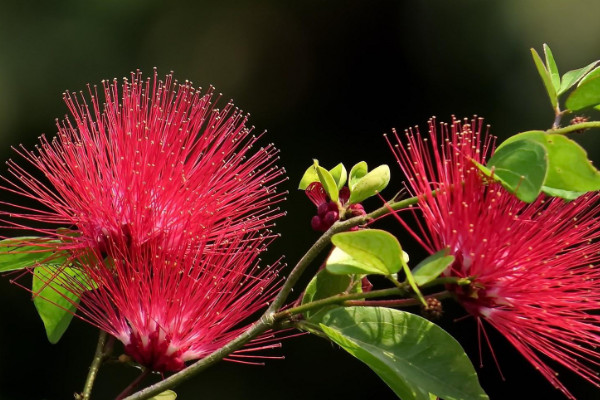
{"x": 368, "y": 251}
{"x": 310, "y": 176}
{"x": 593, "y": 74}
{"x": 551, "y": 67}
{"x": 325, "y": 284}
{"x": 23, "y": 252}
{"x": 356, "y": 173}
{"x": 328, "y": 182}
{"x": 56, "y": 304}
{"x": 431, "y": 267}
{"x": 339, "y": 174}
{"x": 521, "y": 167}
{"x": 586, "y": 95}
{"x": 572, "y": 77}
{"x": 166, "y": 395}
{"x": 570, "y": 173}
{"x": 370, "y": 184}
{"x": 546, "y": 78}
{"x": 413, "y": 356}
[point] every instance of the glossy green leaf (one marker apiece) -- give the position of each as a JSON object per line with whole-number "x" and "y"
{"x": 368, "y": 251}
{"x": 166, "y": 395}
{"x": 570, "y": 173}
{"x": 571, "y": 78}
{"x": 55, "y": 304}
{"x": 325, "y": 284}
{"x": 551, "y": 67}
{"x": 413, "y": 356}
{"x": 339, "y": 174}
{"x": 593, "y": 74}
{"x": 328, "y": 182}
{"x": 521, "y": 167}
{"x": 431, "y": 267}
{"x": 370, "y": 184}
{"x": 310, "y": 176}
{"x": 23, "y": 252}
{"x": 356, "y": 173}
{"x": 586, "y": 95}
{"x": 546, "y": 78}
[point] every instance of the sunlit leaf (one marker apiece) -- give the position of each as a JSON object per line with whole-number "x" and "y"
{"x": 310, "y": 176}
{"x": 23, "y": 252}
{"x": 551, "y": 67}
{"x": 431, "y": 267}
{"x": 356, "y": 173}
{"x": 546, "y": 78}
{"x": 413, "y": 356}
{"x": 339, "y": 174}
{"x": 370, "y": 184}
{"x": 328, "y": 182}
{"x": 571, "y": 78}
{"x": 586, "y": 95}
{"x": 521, "y": 167}
{"x": 373, "y": 251}
{"x": 54, "y": 302}
{"x": 593, "y": 74}
{"x": 166, "y": 395}
{"x": 570, "y": 173}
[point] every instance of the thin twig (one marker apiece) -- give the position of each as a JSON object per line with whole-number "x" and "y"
{"x": 575, "y": 127}
{"x": 99, "y": 356}
{"x": 267, "y": 320}
{"x": 133, "y": 384}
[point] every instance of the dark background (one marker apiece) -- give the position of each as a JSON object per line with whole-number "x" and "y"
{"x": 326, "y": 78}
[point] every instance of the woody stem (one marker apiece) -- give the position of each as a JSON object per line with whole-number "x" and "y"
{"x": 99, "y": 356}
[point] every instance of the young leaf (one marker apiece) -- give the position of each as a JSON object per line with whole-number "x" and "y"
{"x": 586, "y": 95}
{"x": 521, "y": 167}
{"x": 370, "y": 184}
{"x": 379, "y": 251}
{"x": 310, "y": 176}
{"x": 166, "y": 395}
{"x": 546, "y": 78}
{"x": 413, "y": 356}
{"x": 593, "y": 74}
{"x": 572, "y": 77}
{"x": 569, "y": 171}
{"x": 23, "y": 252}
{"x": 552, "y": 68}
{"x": 55, "y": 304}
{"x": 341, "y": 263}
{"x": 339, "y": 175}
{"x": 431, "y": 267}
{"x": 328, "y": 182}
{"x": 356, "y": 173}
{"x": 323, "y": 285}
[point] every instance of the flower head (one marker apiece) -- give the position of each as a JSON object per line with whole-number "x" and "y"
{"x": 531, "y": 265}
{"x": 166, "y": 209}
{"x": 149, "y": 159}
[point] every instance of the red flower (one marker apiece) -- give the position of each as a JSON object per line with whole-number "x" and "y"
{"x": 532, "y": 265}
{"x": 155, "y": 157}
{"x": 172, "y": 305}
{"x": 167, "y": 210}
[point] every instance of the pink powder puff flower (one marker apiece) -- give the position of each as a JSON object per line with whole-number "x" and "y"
{"x": 165, "y": 209}
{"x": 170, "y": 305}
{"x": 149, "y": 159}
{"x": 534, "y": 271}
